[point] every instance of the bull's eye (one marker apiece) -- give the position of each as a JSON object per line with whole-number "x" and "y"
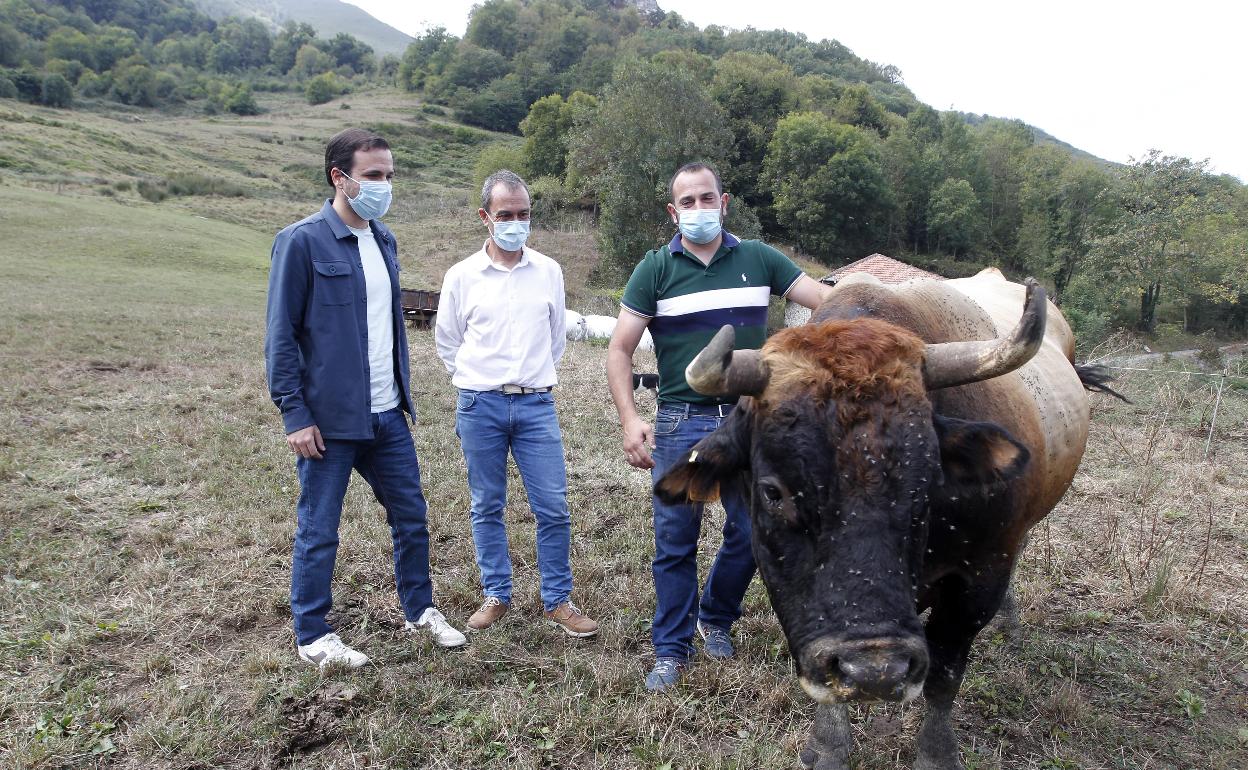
{"x": 771, "y": 494}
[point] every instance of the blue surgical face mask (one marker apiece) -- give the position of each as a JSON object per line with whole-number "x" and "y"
{"x": 700, "y": 225}
{"x": 373, "y": 199}
{"x": 510, "y": 236}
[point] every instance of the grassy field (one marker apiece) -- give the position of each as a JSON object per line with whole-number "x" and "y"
{"x": 146, "y": 516}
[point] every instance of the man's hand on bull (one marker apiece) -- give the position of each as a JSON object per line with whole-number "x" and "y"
{"x": 638, "y": 438}
{"x": 306, "y": 442}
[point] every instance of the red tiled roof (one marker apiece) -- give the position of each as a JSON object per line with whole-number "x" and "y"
{"x": 887, "y": 269}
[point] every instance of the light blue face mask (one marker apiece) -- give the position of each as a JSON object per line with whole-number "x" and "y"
{"x": 510, "y": 236}
{"x": 700, "y": 225}
{"x": 373, "y": 199}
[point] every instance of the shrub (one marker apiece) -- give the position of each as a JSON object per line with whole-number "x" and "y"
{"x": 508, "y": 155}
{"x": 29, "y": 85}
{"x": 90, "y": 84}
{"x": 185, "y": 184}
{"x": 152, "y": 191}
{"x": 323, "y": 87}
{"x": 241, "y": 102}
{"x": 1208, "y": 354}
{"x": 56, "y": 91}
{"x": 7, "y": 89}
{"x": 200, "y": 184}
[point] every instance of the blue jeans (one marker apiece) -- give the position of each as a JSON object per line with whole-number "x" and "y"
{"x": 388, "y": 463}
{"x": 489, "y": 425}
{"x": 676, "y": 529}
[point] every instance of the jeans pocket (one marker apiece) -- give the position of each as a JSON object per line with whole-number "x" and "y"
{"x": 465, "y": 402}
{"x": 546, "y": 398}
{"x": 666, "y": 424}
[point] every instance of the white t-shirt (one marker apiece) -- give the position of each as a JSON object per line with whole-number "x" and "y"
{"x": 385, "y": 392}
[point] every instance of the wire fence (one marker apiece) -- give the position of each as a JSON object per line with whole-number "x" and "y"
{"x": 1180, "y": 395}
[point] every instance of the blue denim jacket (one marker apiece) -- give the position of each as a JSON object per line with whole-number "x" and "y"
{"x": 316, "y": 343}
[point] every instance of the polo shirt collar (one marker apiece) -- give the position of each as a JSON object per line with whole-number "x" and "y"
{"x": 677, "y": 247}
{"x": 485, "y": 263}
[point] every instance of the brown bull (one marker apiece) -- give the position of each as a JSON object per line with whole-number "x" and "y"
{"x": 896, "y": 451}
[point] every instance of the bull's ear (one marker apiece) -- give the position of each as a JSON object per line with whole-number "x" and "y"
{"x": 978, "y": 454}
{"x": 716, "y": 459}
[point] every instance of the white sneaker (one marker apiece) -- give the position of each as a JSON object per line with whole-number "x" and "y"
{"x": 443, "y": 633}
{"x": 330, "y": 649}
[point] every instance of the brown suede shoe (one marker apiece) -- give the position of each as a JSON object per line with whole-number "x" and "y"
{"x": 572, "y": 620}
{"x": 490, "y": 612}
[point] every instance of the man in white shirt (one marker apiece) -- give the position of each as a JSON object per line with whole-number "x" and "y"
{"x": 500, "y": 332}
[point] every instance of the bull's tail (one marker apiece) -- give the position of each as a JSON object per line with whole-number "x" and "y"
{"x": 1096, "y": 378}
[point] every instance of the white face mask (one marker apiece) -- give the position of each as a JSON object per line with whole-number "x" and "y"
{"x": 373, "y": 199}
{"x": 700, "y": 225}
{"x": 510, "y": 236}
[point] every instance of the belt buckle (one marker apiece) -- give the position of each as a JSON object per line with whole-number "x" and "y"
{"x": 511, "y": 390}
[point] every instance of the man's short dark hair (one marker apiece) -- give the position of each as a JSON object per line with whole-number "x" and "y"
{"x": 340, "y": 152}
{"x": 509, "y": 179}
{"x": 690, "y": 168}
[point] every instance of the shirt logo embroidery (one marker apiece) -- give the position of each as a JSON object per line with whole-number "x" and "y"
{"x": 744, "y": 279}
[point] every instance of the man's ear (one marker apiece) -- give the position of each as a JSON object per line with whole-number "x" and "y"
{"x": 719, "y": 457}
{"x": 976, "y": 455}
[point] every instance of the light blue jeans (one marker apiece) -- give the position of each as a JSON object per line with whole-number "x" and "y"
{"x": 489, "y": 425}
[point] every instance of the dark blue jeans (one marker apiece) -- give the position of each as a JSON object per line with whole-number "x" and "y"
{"x": 676, "y": 531}
{"x": 388, "y": 463}
{"x": 490, "y": 425}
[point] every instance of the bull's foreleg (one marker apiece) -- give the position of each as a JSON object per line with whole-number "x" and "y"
{"x": 959, "y": 614}
{"x": 830, "y": 739}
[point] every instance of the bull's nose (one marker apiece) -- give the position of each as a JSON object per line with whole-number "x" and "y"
{"x": 869, "y": 669}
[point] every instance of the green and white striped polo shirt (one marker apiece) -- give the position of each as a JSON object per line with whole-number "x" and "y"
{"x": 687, "y": 302}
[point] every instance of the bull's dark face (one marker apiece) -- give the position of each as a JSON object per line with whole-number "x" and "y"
{"x": 840, "y": 490}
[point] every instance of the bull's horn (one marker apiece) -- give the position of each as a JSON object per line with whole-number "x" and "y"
{"x": 956, "y": 363}
{"x": 721, "y": 371}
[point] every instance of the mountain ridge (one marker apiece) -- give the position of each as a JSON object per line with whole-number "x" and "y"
{"x": 327, "y": 17}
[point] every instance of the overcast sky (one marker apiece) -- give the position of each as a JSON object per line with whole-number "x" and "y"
{"x": 1112, "y": 77}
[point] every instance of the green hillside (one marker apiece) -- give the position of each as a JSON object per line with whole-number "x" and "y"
{"x": 327, "y": 17}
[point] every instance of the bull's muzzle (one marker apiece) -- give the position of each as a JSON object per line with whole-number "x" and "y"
{"x": 881, "y": 668}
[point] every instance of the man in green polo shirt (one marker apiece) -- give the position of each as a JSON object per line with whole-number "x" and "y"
{"x": 685, "y": 292}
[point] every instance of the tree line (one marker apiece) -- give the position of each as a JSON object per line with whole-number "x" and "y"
{"x": 818, "y": 147}
{"x": 833, "y": 154}
{"x": 157, "y": 53}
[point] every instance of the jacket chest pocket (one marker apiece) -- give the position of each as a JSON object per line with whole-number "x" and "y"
{"x": 333, "y": 283}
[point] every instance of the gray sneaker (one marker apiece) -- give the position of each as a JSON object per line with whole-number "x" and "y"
{"x": 666, "y": 673}
{"x": 716, "y": 641}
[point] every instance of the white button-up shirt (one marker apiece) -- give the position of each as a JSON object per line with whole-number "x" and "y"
{"x": 500, "y": 327}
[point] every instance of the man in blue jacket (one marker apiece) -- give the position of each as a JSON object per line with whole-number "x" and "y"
{"x": 337, "y": 365}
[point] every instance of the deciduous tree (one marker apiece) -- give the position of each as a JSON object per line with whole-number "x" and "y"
{"x": 827, "y": 185}
{"x": 650, "y": 121}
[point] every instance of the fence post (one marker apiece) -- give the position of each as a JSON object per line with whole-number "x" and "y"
{"x": 1213, "y": 421}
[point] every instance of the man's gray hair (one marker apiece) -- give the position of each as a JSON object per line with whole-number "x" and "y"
{"x": 511, "y": 179}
